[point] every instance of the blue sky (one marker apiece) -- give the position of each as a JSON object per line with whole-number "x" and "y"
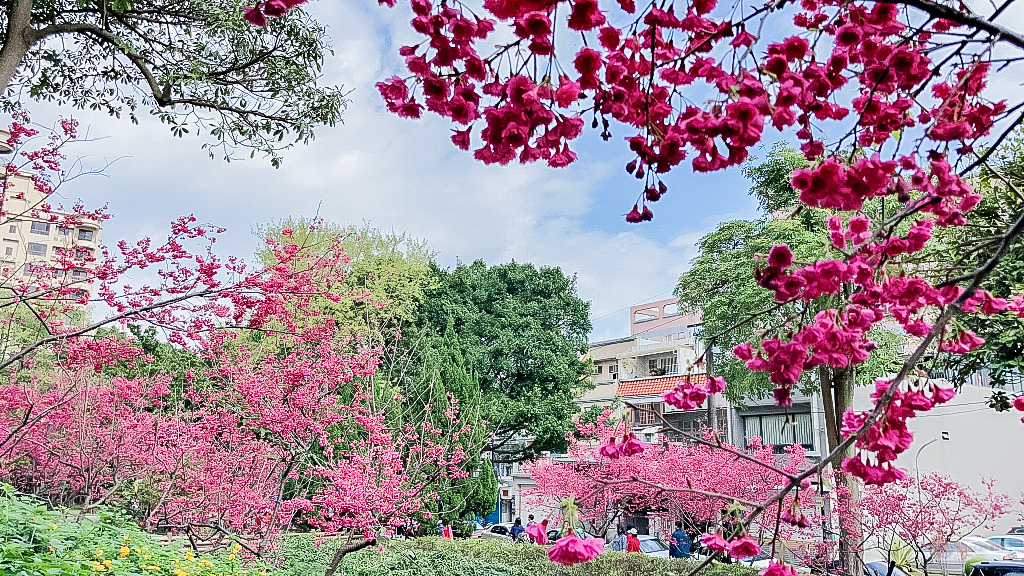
{"x": 405, "y": 175}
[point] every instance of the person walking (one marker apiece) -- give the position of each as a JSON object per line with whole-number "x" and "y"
{"x": 517, "y": 530}
{"x": 529, "y": 520}
{"x": 632, "y": 542}
{"x": 619, "y": 542}
{"x": 681, "y": 543}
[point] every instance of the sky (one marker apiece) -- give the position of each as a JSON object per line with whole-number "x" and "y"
{"x": 405, "y": 175}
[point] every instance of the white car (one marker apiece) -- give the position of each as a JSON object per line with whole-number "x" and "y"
{"x": 653, "y": 546}
{"x": 1014, "y": 542}
{"x": 951, "y": 557}
{"x": 502, "y": 531}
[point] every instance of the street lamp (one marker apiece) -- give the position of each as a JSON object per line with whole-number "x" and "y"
{"x": 917, "y": 462}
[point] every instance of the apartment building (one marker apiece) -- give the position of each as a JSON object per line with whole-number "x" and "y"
{"x": 31, "y": 240}
{"x": 632, "y": 373}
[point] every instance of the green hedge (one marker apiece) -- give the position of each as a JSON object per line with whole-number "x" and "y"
{"x": 441, "y": 557}
{"x": 36, "y": 541}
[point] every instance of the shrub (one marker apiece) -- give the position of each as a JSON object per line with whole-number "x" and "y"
{"x": 306, "y": 556}
{"x": 36, "y": 541}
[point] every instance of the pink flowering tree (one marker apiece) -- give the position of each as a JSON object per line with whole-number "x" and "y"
{"x": 278, "y": 419}
{"x": 923, "y": 517}
{"x": 692, "y": 480}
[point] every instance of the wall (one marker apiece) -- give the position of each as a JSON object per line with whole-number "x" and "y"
{"x": 982, "y": 443}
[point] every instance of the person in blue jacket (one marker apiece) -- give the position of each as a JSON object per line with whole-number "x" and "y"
{"x": 680, "y": 545}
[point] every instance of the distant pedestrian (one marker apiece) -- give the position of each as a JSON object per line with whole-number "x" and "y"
{"x": 445, "y": 530}
{"x": 680, "y": 546}
{"x": 517, "y": 529}
{"x": 619, "y": 542}
{"x": 632, "y": 542}
{"x": 529, "y": 520}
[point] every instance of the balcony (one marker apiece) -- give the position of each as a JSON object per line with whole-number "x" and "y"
{"x": 653, "y": 345}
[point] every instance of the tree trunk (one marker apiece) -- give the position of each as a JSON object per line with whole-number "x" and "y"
{"x": 837, "y": 387}
{"x": 19, "y": 39}
{"x": 349, "y": 547}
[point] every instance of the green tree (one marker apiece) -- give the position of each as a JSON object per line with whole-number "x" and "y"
{"x": 476, "y": 494}
{"x": 963, "y": 249}
{"x": 392, "y": 270}
{"x": 194, "y": 64}
{"x": 522, "y": 330}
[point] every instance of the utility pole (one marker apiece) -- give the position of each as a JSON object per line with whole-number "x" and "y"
{"x": 712, "y": 408}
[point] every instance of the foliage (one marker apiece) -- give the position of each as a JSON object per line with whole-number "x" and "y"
{"x": 280, "y": 423}
{"x": 195, "y": 65}
{"x": 522, "y": 331}
{"x": 442, "y": 557}
{"x": 671, "y": 480}
{"x": 37, "y": 541}
{"x": 961, "y": 249}
{"x": 385, "y": 272}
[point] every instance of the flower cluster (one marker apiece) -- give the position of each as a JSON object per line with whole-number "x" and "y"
{"x": 741, "y": 547}
{"x": 571, "y": 549}
{"x": 688, "y": 395}
{"x": 629, "y": 446}
{"x": 889, "y": 436}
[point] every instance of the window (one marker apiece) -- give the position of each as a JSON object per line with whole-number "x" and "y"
{"x": 35, "y": 249}
{"x": 599, "y": 368}
{"x": 13, "y": 229}
{"x": 82, "y": 252}
{"x": 78, "y": 275}
{"x": 1013, "y": 543}
{"x": 33, "y": 270}
{"x": 647, "y": 414}
{"x": 40, "y": 228}
{"x": 84, "y": 234}
{"x": 9, "y": 251}
{"x": 63, "y": 231}
{"x": 781, "y": 430}
{"x": 663, "y": 365}
{"x": 613, "y": 369}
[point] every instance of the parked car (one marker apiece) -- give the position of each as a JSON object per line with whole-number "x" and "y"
{"x": 951, "y": 557}
{"x": 555, "y": 534}
{"x": 1013, "y": 542}
{"x": 998, "y": 569}
{"x": 500, "y": 531}
{"x": 478, "y": 528}
{"x": 653, "y": 546}
{"x": 1016, "y": 530}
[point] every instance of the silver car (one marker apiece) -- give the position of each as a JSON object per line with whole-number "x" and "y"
{"x": 1013, "y": 542}
{"x": 951, "y": 557}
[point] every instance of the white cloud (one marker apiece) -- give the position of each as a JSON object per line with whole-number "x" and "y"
{"x": 396, "y": 174}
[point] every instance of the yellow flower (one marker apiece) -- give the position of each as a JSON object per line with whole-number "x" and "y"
{"x": 107, "y": 563}
{"x": 125, "y": 538}
{"x": 97, "y": 566}
{"x": 53, "y": 526}
{"x": 99, "y": 551}
{"x": 124, "y": 551}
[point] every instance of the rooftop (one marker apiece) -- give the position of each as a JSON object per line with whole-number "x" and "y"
{"x": 655, "y": 386}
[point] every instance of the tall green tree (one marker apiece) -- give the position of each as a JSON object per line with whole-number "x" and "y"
{"x": 195, "y": 64}
{"x": 522, "y": 331}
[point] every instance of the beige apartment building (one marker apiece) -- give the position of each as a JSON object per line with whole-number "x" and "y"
{"x": 32, "y": 239}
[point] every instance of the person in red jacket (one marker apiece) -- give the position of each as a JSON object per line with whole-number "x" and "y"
{"x": 632, "y": 542}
